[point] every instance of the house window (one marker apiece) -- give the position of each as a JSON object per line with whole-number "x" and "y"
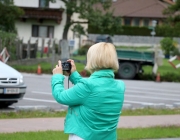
{"x": 43, "y": 3}
{"x": 146, "y": 22}
{"x": 127, "y": 21}
{"x": 136, "y": 21}
{"x": 42, "y": 31}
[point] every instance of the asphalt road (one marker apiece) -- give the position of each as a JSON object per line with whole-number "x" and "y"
{"x": 138, "y": 93}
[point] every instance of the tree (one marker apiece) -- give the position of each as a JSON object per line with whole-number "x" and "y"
{"x": 8, "y": 15}
{"x": 171, "y": 25}
{"x": 97, "y": 13}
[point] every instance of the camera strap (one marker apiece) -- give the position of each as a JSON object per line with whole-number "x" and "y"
{"x": 68, "y": 80}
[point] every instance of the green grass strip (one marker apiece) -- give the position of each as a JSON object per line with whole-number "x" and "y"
{"x": 46, "y": 114}
{"x": 123, "y": 134}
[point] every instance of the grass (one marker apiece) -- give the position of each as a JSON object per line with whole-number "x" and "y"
{"x": 122, "y": 133}
{"x": 125, "y": 112}
{"x": 165, "y": 68}
{"x": 142, "y": 48}
{"x": 46, "y": 67}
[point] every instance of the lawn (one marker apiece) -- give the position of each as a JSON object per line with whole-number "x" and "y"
{"x": 167, "y": 72}
{"x": 164, "y": 69}
{"x": 46, "y": 67}
{"x": 46, "y": 114}
{"x": 123, "y": 134}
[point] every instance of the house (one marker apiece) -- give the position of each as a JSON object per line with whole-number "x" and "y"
{"x": 47, "y": 20}
{"x": 140, "y": 12}
{"x": 43, "y": 21}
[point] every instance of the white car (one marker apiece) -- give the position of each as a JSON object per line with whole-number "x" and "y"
{"x": 12, "y": 86}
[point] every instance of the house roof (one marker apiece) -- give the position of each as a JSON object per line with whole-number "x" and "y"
{"x": 140, "y": 8}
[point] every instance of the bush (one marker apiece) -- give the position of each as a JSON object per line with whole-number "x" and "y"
{"x": 83, "y": 50}
{"x": 167, "y": 77}
{"x": 168, "y": 45}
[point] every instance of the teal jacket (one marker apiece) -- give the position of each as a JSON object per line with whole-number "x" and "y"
{"x": 95, "y": 104}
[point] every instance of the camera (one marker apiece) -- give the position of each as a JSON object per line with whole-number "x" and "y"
{"x": 66, "y": 66}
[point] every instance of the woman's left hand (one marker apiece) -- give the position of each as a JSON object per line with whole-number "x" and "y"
{"x": 58, "y": 69}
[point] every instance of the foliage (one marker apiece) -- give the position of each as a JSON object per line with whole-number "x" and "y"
{"x": 8, "y": 40}
{"x": 171, "y": 25}
{"x": 8, "y": 14}
{"x": 94, "y": 12}
{"x": 164, "y": 30}
{"x": 168, "y": 45}
{"x": 167, "y": 77}
{"x": 83, "y": 50}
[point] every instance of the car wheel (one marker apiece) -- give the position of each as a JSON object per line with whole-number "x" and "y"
{"x": 5, "y": 104}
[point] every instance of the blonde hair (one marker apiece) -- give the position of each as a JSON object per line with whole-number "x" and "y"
{"x": 102, "y": 56}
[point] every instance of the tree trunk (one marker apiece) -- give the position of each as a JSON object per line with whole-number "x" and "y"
{"x": 66, "y": 28}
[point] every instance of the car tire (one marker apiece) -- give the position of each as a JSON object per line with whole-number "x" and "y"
{"x": 5, "y": 104}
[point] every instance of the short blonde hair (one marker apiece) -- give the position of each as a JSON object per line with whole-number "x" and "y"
{"x": 102, "y": 56}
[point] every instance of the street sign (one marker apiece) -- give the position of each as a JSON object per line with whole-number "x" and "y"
{"x": 153, "y": 33}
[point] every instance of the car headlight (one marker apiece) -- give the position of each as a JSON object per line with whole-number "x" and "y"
{"x": 21, "y": 81}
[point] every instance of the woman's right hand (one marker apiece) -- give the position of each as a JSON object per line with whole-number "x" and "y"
{"x": 73, "y": 66}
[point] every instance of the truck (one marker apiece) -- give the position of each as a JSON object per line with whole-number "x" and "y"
{"x": 131, "y": 62}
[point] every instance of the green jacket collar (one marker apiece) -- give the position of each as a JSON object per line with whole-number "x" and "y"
{"x": 109, "y": 73}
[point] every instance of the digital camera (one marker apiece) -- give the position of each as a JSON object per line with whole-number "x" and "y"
{"x": 66, "y": 66}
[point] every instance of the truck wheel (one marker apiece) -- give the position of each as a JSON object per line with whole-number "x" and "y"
{"x": 127, "y": 70}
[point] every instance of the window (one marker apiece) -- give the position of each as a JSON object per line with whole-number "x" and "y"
{"x": 42, "y": 31}
{"x": 127, "y": 21}
{"x": 136, "y": 21}
{"x": 43, "y": 3}
{"x": 146, "y": 22}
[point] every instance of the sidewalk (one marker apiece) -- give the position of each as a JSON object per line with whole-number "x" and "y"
{"x": 43, "y": 124}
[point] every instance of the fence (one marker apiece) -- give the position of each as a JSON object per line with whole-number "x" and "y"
{"x": 19, "y": 50}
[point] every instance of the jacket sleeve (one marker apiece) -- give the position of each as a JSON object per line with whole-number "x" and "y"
{"x": 75, "y": 95}
{"x": 75, "y": 77}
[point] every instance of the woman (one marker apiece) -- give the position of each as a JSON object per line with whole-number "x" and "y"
{"x": 95, "y": 103}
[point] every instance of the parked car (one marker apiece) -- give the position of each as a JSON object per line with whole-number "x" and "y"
{"x": 12, "y": 86}
{"x": 104, "y": 38}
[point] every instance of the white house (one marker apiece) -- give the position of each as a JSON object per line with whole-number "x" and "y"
{"x": 39, "y": 22}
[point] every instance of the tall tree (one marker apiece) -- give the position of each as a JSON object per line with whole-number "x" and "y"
{"x": 96, "y": 13}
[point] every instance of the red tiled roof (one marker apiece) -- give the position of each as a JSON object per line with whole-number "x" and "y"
{"x": 140, "y": 8}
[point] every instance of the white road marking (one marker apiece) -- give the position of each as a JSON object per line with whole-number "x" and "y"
{"x": 40, "y": 100}
{"x": 156, "y": 98}
{"x": 136, "y": 102}
{"x": 150, "y": 92}
{"x": 39, "y": 92}
{"x": 156, "y": 89}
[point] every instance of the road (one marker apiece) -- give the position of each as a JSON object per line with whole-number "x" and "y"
{"x": 138, "y": 93}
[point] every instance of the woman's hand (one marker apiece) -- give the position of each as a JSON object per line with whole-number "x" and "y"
{"x": 58, "y": 68}
{"x": 73, "y": 66}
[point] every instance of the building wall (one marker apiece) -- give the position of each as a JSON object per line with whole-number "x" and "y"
{"x": 25, "y": 28}
{"x": 35, "y": 3}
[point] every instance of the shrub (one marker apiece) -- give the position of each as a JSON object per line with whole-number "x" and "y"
{"x": 168, "y": 45}
{"x": 83, "y": 50}
{"x": 167, "y": 77}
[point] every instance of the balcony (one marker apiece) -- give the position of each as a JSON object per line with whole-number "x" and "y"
{"x": 41, "y": 14}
